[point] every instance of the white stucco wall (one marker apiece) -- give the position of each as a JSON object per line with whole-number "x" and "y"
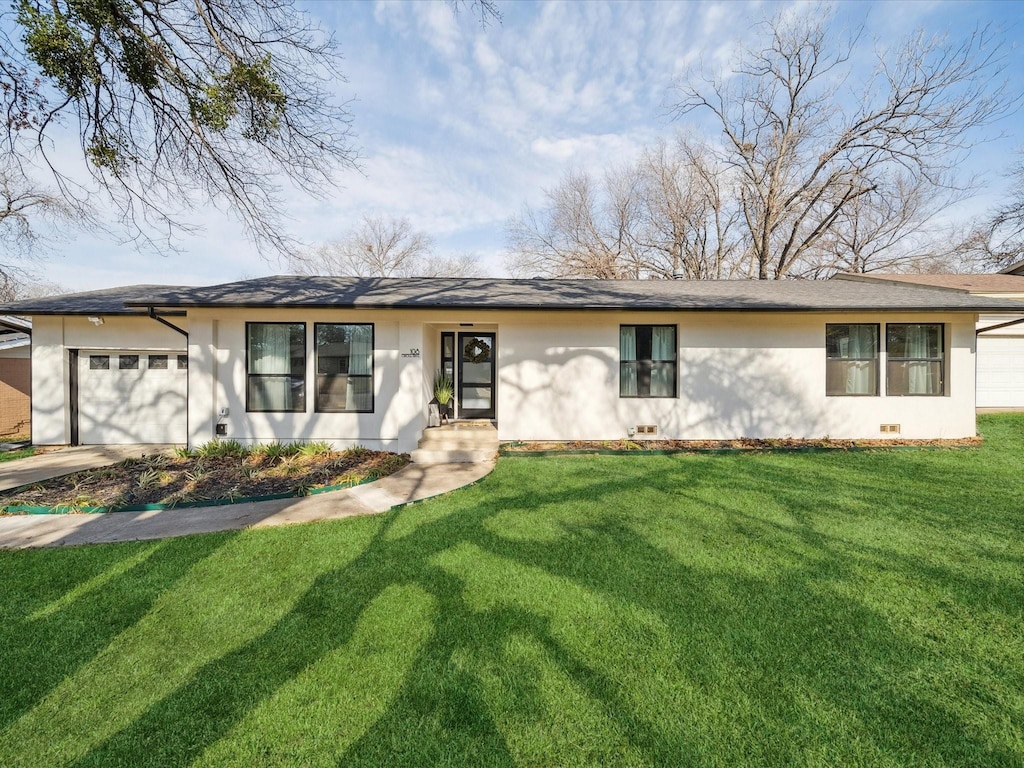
{"x": 54, "y": 336}
{"x": 217, "y": 379}
{"x": 740, "y": 375}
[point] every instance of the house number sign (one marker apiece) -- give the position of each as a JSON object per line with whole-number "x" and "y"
{"x": 413, "y": 352}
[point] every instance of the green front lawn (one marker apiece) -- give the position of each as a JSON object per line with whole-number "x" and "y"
{"x": 768, "y": 609}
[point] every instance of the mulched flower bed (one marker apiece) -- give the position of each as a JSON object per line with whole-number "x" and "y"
{"x": 205, "y": 476}
{"x": 743, "y": 444}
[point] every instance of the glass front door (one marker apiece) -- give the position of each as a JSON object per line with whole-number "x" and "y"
{"x": 476, "y": 375}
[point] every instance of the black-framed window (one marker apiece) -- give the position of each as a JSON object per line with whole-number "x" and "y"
{"x": 275, "y": 362}
{"x": 915, "y": 359}
{"x": 182, "y": 362}
{"x": 158, "y": 362}
{"x": 851, "y": 366}
{"x": 448, "y": 353}
{"x": 99, "y": 362}
{"x": 128, "y": 362}
{"x": 647, "y": 361}
{"x": 344, "y": 367}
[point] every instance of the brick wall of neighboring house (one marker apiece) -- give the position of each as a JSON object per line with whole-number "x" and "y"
{"x": 15, "y": 401}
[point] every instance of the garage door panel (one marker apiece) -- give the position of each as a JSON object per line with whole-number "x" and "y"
{"x": 131, "y": 405}
{"x": 1000, "y": 371}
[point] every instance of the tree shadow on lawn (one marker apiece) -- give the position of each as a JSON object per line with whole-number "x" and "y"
{"x": 592, "y": 645}
{"x": 73, "y": 604}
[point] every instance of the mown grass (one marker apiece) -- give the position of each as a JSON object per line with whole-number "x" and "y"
{"x": 21, "y": 453}
{"x": 765, "y": 609}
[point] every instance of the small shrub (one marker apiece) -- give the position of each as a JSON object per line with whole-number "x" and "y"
{"x": 221, "y": 449}
{"x": 148, "y": 478}
{"x": 356, "y": 452}
{"x": 318, "y": 448}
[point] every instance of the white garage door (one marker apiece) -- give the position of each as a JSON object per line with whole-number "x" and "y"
{"x": 131, "y": 397}
{"x": 1000, "y": 371}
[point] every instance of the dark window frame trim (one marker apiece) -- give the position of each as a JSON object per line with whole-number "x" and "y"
{"x": 305, "y": 353}
{"x": 941, "y": 360}
{"x": 877, "y": 359}
{"x": 675, "y": 362}
{"x": 371, "y": 376}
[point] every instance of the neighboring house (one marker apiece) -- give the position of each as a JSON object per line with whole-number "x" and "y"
{"x": 15, "y": 376}
{"x": 1000, "y": 367}
{"x": 351, "y": 360}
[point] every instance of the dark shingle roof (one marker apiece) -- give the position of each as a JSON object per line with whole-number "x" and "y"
{"x": 110, "y": 301}
{"x": 681, "y": 295}
{"x": 973, "y": 283}
{"x": 453, "y": 293}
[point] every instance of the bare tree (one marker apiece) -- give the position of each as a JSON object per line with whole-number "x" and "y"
{"x": 887, "y": 230}
{"x": 384, "y": 247}
{"x": 688, "y": 220}
{"x": 664, "y": 216}
{"x": 998, "y": 241}
{"x": 17, "y": 287}
{"x": 803, "y": 158}
{"x": 584, "y": 230}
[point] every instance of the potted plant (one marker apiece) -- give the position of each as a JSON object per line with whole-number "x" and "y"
{"x": 444, "y": 393}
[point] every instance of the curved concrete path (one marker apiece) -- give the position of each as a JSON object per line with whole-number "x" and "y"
{"x": 413, "y": 483}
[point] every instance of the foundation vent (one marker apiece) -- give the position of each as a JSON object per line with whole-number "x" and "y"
{"x": 647, "y": 429}
{"x": 889, "y": 429}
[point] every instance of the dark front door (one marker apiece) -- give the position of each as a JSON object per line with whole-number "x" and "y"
{"x": 476, "y": 375}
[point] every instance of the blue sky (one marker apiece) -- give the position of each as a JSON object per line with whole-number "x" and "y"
{"x": 459, "y": 126}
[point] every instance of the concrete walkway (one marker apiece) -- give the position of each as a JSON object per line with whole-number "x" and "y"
{"x": 43, "y": 466}
{"x": 413, "y": 483}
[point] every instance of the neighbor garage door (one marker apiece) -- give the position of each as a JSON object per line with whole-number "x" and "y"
{"x": 131, "y": 397}
{"x": 1000, "y": 371}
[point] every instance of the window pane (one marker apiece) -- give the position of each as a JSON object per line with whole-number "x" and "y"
{"x": 344, "y": 393}
{"x": 344, "y": 366}
{"x": 128, "y": 362}
{"x": 628, "y": 379}
{"x": 475, "y": 398}
{"x": 663, "y": 343}
{"x": 914, "y": 340}
{"x": 663, "y": 379}
{"x": 158, "y": 362}
{"x": 914, "y": 377}
{"x": 277, "y": 348}
{"x": 277, "y": 393}
{"x": 857, "y": 341}
{"x": 627, "y": 343}
{"x": 99, "y": 362}
{"x": 182, "y": 362}
{"x": 851, "y": 377}
{"x": 476, "y": 373}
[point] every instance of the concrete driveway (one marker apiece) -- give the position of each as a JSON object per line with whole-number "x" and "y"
{"x": 43, "y": 466}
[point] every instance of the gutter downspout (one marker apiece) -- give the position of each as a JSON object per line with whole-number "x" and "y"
{"x": 172, "y": 326}
{"x": 980, "y": 331}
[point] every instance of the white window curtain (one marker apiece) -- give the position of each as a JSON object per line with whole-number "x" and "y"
{"x": 270, "y": 353}
{"x": 921, "y": 372}
{"x": 860, "y": 379}
{"x": 663, "y": 348}
{"x": 360, "y": 363}
{"x": 627, "y": 358}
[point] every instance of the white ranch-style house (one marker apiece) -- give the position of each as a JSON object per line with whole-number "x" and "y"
{"x": 352, "y": 360}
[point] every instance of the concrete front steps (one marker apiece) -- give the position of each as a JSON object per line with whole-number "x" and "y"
{"x": 461, "y": 442}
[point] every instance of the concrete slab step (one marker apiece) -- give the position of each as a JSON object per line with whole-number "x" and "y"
{"x": 432, "y": 456}
{"x": 458, "y": 442}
